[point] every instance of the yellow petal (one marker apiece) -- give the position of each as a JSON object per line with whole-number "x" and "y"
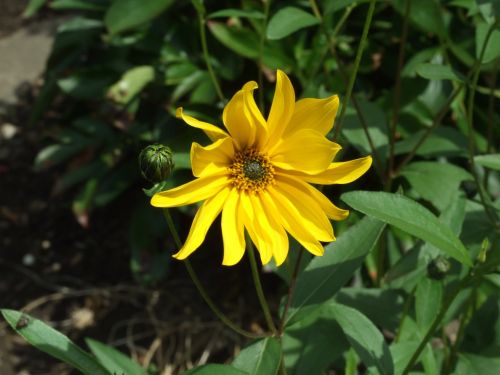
{"x": 292, "y": 223}
{"x": 317, "y": 114}
{"x": 305, "y": 150}
{"x": 338, "y": 172}
{"x": 276, "y": 240}
{"x": 213, "y": 132}
{"x": 233, "y": 235}
{"x": 202, "y": 221}
{"x": 300, "y": 204}
{"x": 279, "y": 238}
{"x": 282, "y": 107}
{"x": 258, "y": 234}
{"x": 332, "y": 211}
{"x": 212, "y": 159}
{"x": 243, "y": 119}
{"x": 191, "y": 192}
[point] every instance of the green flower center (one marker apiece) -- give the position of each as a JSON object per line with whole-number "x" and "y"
{"x": 253, "y": 170}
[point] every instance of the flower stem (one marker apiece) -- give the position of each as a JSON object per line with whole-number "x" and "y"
{"x": 196, "y": 281}
{"x": 203, "y": 38}
{"x": 291, "y": 290}
{"x": 437, "y": 320}
{"x": 470, "y": 124}
{"x": 258, "y": 287}
{"x": 397, "y": 95}
{"x": 357, "y": 61}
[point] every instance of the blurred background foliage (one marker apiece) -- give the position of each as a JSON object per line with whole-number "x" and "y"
{"x": 119, "y": 69}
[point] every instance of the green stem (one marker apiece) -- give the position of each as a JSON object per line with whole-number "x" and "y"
{"x": 291, "y": 290}
{"x": 464, "y": 319}
{"x": 206, "y": 56}
{"x": 405, "y": 312}
{"x": 196, "y": 281}
{"x": 357, "y": 61}
{"x": 397, "y": 95}
{"x": 331, "y": 46}
{"x": 258, "y": 287}
{"x": 437, "y": 320}
{"x": 267, "y": 4}
{"x": 470, "y": 125}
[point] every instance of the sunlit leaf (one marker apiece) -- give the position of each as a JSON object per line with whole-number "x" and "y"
{"x": 260, "y": 358}
{"x": 52, "y": 342}
{"x": 288, "y": 20}
{"x": 410, "y": 217}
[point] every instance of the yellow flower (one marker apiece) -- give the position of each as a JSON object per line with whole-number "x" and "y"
{"x": 258, "y": 174}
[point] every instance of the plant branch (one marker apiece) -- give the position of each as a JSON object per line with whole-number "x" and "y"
{"x": 357, "y": 61}
{"x": 397, "y": 94}
{"x": 203, "y": 38}
{"x": 258, "y": 287}
{"x": 196, "y": 281}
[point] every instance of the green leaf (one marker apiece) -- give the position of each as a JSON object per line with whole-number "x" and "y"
{"x": 241, "y": 13}
{"x": 364, "y": 338}
{"x": 263, "y": 357}
{"x": 52, "y": 342}
{"x": 410, "y": 217}
{"x": 426, "y": 14}
{"x": 127, "y": 14}
{"x": 489, "y": 161}
{"x": 428, "y": 298}
{"x": 473, "y": 364}
{"x": 214, "y": 369}
{"x": 77, "y": 5}
{"x": 435, "y": 182}
{"x": 376, "y": 121}
{"x": 113, "y": 360}
{"x": 131, "y": 83}
{"x": 245, "y": 42}
{"x": 238, "y": 39}
{"x": 288, "y": 20}
{"x": 325, "y": 275}
{"x": 381, "y": 306}
{"x": 312, "y": 344}
{"x": 438, "y": 72}
{"x": 490, "y": 9}
{"x": 492, "y": 50}
{"x": 33, "y": 7}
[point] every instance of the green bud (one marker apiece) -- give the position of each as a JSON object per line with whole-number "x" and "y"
{"x": 156, "y": 163}
{"x": 438, "y": 268}
{"x": 485, "y": 246}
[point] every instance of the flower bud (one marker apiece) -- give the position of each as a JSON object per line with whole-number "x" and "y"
{"x": 438, "y": 268}
{"x": 156, "y": 163}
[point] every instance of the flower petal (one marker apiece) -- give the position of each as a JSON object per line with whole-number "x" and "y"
{"x": 212, "y": 159}
{"x": 332, "y": 211}
{"x": 191, "y": 192}
{"x": 317, "y": 114}
{"x": 306, "y": 209}
{"x": 202, "y": 221}
{"x": 243, "y": 119}
{"x": 233, "y": 231}
{"x": 282, "y": 107}
{"x": 338, "y": 172}
{"x": 293, "y": 222}
{"x": 273, "y": 232}
{"x": 279, "y": 238}
{"x": 255, "y": 229}
{"x": 305, "y": 150}
{"x": 213, "y": 132}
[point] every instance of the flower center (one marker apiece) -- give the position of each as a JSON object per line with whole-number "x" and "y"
{"x": 251, "y": 171}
